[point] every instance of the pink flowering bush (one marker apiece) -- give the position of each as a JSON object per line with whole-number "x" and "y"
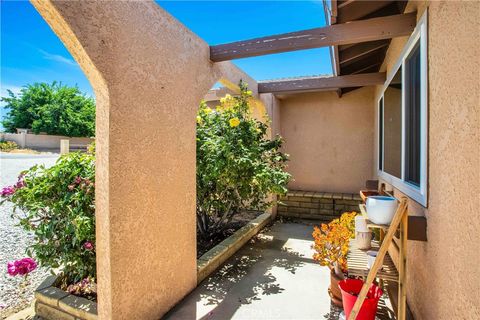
{"x": 21, "y": 267}
{"x": 87, "y": 288}
{"x": 7, "y": 191}
{"x": 57, "y": 205}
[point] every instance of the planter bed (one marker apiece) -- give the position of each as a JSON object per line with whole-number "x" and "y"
{"x": 53, "y": 303}
{"x": 238, "y": 221}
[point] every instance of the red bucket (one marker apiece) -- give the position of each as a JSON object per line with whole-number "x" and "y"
{"x": 351, "y": 289}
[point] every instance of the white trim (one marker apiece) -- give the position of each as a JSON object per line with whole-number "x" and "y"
{"x": 418, "y": 194}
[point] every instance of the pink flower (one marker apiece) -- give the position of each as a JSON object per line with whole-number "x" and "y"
{"x": 20, "y": 184}
{"x": 7, "y": 191}
{"x": 21, "y": 267}
{"x": 88, "y": 246}
{"x": 78, "y": 180}
{"x": 11, "y": 268}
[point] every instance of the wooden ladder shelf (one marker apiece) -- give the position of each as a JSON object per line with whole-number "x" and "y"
{"x": 399, "y": 222}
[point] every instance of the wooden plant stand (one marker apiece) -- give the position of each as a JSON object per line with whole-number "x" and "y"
{"x": 383, "y": 267}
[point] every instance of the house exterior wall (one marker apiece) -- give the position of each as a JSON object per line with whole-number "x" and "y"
{"x": 329, "y": 140}
{"x": 444, "y": 273}
{"x": 272, "y": 108}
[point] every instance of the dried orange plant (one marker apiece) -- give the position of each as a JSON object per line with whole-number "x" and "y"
{"x": 331, "y": 243}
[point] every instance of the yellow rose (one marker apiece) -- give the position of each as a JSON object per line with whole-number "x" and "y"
{"x": 199, "y": 120}
{"x": 249, "y": 92}
{"x": 234, "y": 122}
{"x": 207, "y": 110}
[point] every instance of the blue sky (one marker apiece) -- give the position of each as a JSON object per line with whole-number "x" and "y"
{"x": 31, "y": 52}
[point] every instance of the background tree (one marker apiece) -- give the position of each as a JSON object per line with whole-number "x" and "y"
{"x": 51, "y": 108}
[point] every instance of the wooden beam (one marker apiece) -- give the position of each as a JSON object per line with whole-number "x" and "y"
{"x": 333, "y": 19}
{"x": 360, "y": 50}
{"x": 375, "y": 58}
{"x": 319, "y": 83}
{"x": 354, "y": 10}
{"x": 345, "y": 3}
{"x": 338, "y": 34}
{"x": 367, "y": 69}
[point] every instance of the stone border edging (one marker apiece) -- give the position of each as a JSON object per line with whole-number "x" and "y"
{"x": 216, "y": 256}
{"x": 54, "y": 304}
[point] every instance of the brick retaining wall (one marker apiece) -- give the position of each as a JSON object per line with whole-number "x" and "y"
{"x": 324, "y": 206}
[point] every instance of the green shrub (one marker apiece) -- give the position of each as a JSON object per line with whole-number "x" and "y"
{"x": 238, "y": 166}
{"x": 7, "y": 146}
{"x": 57, "y": 205}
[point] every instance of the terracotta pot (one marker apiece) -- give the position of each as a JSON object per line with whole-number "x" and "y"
{"x": 334, "y": 290}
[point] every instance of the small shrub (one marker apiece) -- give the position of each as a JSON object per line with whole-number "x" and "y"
{"x": 57, "y": 205}
{"x": 7, "y": 146}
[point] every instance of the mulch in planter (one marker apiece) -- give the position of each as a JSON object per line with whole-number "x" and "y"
{"x": 237, "y": 222}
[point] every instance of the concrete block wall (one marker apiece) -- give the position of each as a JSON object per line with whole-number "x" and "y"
{"x": 44, "y": 141}
{"x": 323, "y": 206}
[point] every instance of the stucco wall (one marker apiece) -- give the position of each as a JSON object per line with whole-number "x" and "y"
{"x": 329, "y": 139}
{"x": 444, "y": 273}
{"x": 149, "y": 73}
{"x": 272, "y": 108}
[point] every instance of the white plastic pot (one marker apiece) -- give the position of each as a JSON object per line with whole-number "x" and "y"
{"x": 371, "y": 256}
{"x": 363, "y": 240}
{"x": 361, "y": 224}
{"x": 381, "y": 209}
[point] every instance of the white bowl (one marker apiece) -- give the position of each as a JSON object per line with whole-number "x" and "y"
{"x": 381, "y": 209}
{"x": 371, "y": 256}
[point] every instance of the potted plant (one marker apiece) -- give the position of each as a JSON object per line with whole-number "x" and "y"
{"x": 56, "y": 205}
{"x": 331, "y": 248}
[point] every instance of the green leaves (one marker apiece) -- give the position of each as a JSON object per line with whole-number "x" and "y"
{"x": 8, "y": 146}
{"x": 237, "y": 165}
{"x": 58, "y": 206}
{"x": 52, "y": 108}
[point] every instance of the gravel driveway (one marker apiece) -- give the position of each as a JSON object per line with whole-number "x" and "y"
{"x": 13, "y": 239}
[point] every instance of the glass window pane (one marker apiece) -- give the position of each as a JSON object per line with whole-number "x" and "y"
{"x": 412, "y": 117}
{"x": 392, "y": 126}
{"x": 380, "y": 134}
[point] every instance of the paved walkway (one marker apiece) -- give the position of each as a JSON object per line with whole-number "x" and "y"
{"x": 273, "y": 277}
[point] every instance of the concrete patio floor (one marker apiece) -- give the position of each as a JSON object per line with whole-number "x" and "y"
{"x": 271, "y": 277}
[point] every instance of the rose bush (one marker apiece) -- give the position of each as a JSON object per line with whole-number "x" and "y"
{"x": 57, "y": 205}
{"x": 238, "y": 166}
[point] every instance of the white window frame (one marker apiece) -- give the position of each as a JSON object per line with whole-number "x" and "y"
{"x": 416, "y": 193}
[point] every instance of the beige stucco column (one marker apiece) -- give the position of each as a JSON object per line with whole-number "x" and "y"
{"x": 148, "y": 73}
